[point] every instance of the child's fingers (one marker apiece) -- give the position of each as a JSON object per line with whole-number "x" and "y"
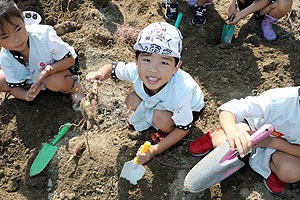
{"x": 92, "y": 76}
{"x": 30, "y": 96}
{"x": 231, "y": 143}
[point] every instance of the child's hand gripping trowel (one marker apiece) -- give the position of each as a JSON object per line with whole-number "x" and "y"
{"x": 228, "y": 31}
{"x": 133, "y": 170}
{"x": 220, "y": 163}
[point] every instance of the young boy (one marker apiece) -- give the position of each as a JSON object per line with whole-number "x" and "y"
{"x": 277, "y": 158}
{"x": 269, "y": 10}
{"x": 199, "y": 12}
{"x": 33, "y": 58}
{"x": 165, "y": 97}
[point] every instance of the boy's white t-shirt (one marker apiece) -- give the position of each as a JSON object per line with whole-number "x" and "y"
{"x": 181, "y": 96}
{"x": 45, "y": 47}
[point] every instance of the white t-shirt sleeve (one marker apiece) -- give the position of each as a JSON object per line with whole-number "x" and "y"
{"x": 57, "y": 46}
{"x": 126, "y": 72}
{"x": 251, "y": 106}
{"x": 183, "y": 114}
{"x": 9, "y": 71}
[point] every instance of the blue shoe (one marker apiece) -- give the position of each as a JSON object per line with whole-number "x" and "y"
{"x": 199, "y": 15}
{"x": 171, "y": 10}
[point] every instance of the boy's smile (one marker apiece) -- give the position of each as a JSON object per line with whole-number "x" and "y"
{"x": 14, "y": 36}
{"x": 155, "y": 70}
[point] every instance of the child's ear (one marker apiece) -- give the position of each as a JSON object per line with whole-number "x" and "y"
{"x": 177, "y": 67}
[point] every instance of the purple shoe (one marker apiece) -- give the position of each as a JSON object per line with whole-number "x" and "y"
{"x": 266, "y": 26}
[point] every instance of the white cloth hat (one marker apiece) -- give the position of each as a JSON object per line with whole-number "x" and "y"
{"x": 160, "y": 38}
{"x": 31, "y": 17}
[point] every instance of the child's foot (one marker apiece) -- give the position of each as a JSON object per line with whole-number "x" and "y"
{"x": 130, "y": 126}
{"x": 199, "y": 15}
{"x": 202, "y": 145}
{"x": 76, "y": 94}
{"x": 267, "y": 29}
{"x": 274, "y": 184}
{"x": 76, "y": 98}
{"x": 171, "y": 10}
{"x": 158, "y": 136}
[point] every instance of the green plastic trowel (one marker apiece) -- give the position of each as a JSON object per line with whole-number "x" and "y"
{"x": 46, "y": 153}
{"x": 228, "y": 31}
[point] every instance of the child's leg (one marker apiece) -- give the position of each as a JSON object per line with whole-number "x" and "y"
{"x": 163, "y": 121}
{"x": 66, "y": 83}
{"x": 285, "y": 166}
{"x": 3, "y": 84}
{"x": 59, "y": 82}
{"x": 132, "y": 101}
{"x": 201, "y": 2}
{"x": 219, "y": 137}
{"x": 211, "y": 140}
{"x": 271, "y": 15}
{"x": 278, "y": 9}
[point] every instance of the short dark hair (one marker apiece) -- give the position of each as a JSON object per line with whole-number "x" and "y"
{"x": 8, "y": 9}
{"x": 137, "y": 53}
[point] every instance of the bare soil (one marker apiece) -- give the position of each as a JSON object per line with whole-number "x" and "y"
{"x": 103, "y": 31}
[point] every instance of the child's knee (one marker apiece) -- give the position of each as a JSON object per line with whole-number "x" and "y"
{"x": 59, "y": 82}
{"x": 287, "y": 174}
{"x": 132, "y": 101}
{"x": 284, "y": 5}
{"x": 162, "y": 120}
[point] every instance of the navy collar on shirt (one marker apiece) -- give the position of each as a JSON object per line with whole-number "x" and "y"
{"x": 18, "y": 56}
{"x": 148, "y": 92}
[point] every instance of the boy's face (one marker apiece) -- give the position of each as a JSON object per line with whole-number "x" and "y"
{"x": 14, "y": 36}
{"x": 155, "y": 70}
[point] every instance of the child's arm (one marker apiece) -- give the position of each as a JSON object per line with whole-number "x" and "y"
{"x": 173, "y": 137}
{"x": 280, "y": 144}
{"x": 255, "y": 6}
{"x": 231, "y": 10}
{"x": 27, "y": 95}
{"x": 59, "y": 66}
{"x": 101, "y": 75}
{"x": 237, "y": 139}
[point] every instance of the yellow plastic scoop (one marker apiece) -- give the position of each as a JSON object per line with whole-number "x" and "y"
{"x": 133, "y": 170}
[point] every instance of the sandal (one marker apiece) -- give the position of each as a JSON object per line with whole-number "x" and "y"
{"x": 76, "y": 98}
{"x": 130, "y": 126}
{"x": 76, "y": 93}
{"x": 158, "y": 136}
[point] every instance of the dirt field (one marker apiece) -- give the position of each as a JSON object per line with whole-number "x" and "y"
{"x": 104, "y": 31}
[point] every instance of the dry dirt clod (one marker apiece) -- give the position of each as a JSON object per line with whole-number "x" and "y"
{"x": 78, "y": 150}
{"x": 12, "y": 186}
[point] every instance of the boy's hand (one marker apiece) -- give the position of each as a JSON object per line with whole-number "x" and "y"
{"x": 95, "y": 76}
{"x": 144, "y": 157}
{"x": 31, "y": 94}
{"x": 236, "y": 19}
{"x": 240, "y": 141}
{"x": 47, "y": 71}
{"x": 231, "y": 10}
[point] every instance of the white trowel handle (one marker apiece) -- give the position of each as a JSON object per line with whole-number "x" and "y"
{"x": 262, "y": 133}
{"x": 144, "y": 149}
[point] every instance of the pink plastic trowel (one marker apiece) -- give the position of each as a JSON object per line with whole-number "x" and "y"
{"x": 220, "y": 163}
